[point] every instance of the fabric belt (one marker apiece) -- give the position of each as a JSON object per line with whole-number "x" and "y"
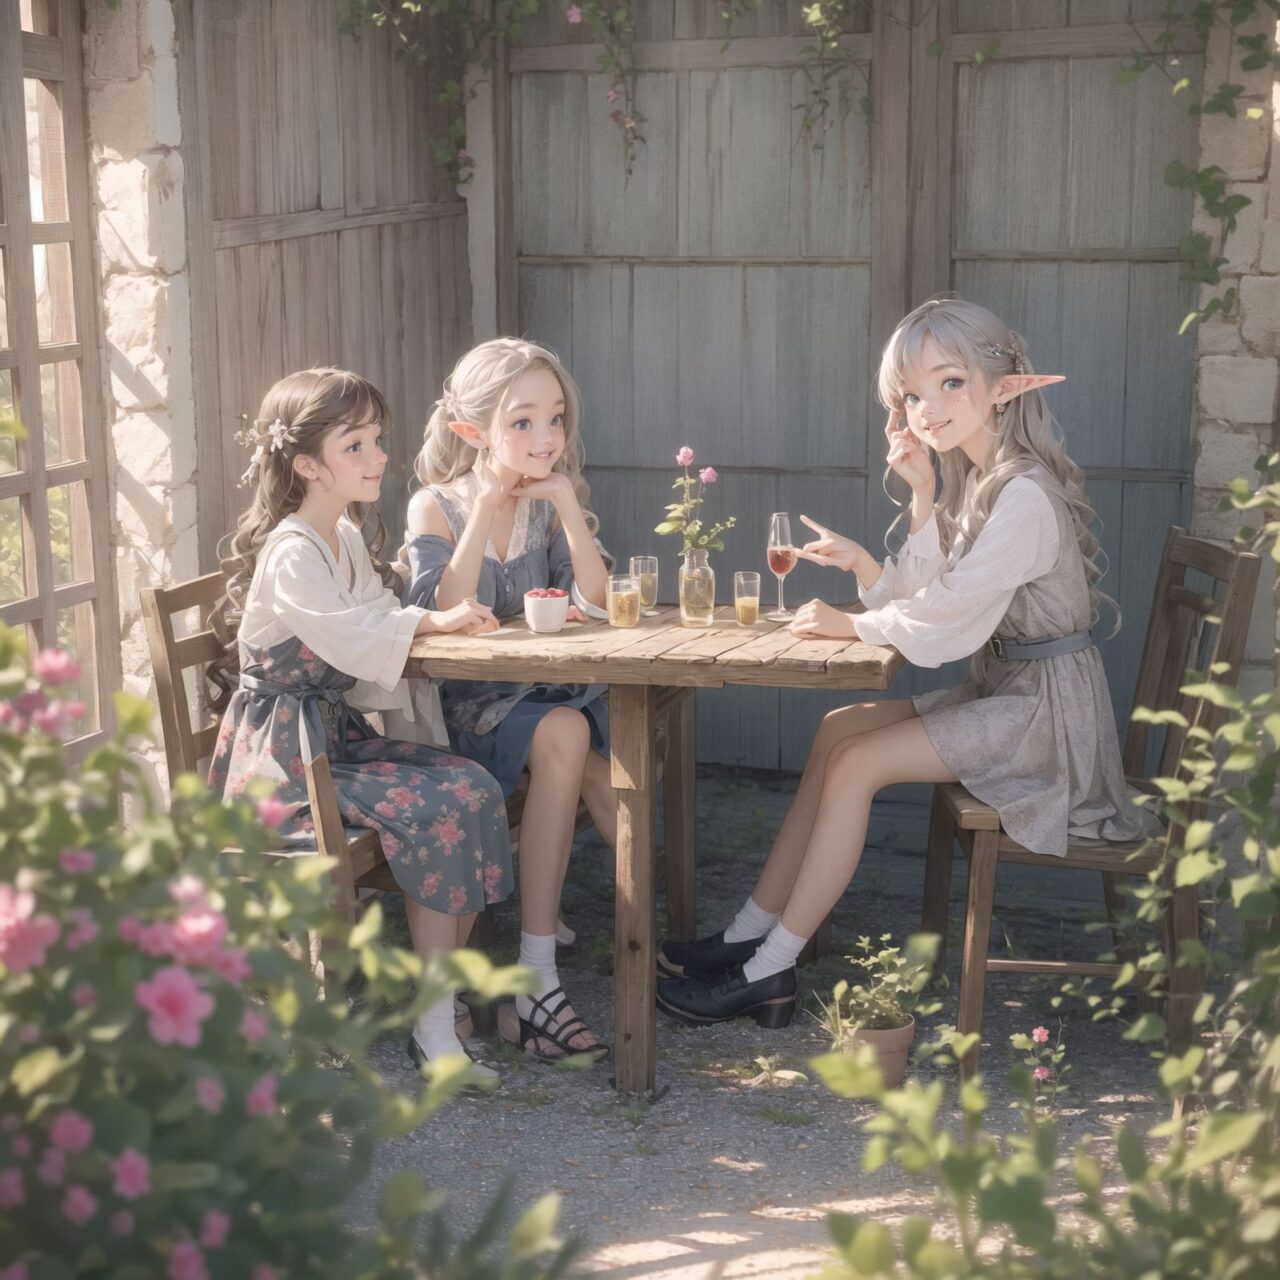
{"x": 1018, "y": 651}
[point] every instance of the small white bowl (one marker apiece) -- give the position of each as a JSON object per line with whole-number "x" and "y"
{"x": 546, "y": 613}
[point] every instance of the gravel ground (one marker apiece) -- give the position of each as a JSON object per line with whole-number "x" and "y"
{"x": 730, "y": 1170}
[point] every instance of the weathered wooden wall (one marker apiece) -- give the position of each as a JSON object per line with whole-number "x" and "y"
{"x": 733, "y": 295}
{"x": 321, "y": 231}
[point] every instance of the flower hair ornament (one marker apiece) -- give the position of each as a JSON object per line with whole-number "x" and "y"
{"x": 265, "y": 438}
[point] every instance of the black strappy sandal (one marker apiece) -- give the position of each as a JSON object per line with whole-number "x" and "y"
{"x": 543, "y": 1024}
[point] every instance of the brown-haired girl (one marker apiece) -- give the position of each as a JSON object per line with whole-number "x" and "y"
{"x": 316, "y": 619}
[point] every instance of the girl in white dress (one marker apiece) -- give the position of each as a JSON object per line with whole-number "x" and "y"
{"x": 1001, "y": 564}
{"x": 315, "y": 622}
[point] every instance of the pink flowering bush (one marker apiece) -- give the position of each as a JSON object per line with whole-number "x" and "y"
{"x": 176, "y": 1097}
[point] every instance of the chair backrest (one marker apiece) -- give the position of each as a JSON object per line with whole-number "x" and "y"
{"x": 187, "y": 739}
{"x": 1190, "y": 630}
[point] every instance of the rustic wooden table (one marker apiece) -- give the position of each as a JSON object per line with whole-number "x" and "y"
{"x": 647, "y": 667}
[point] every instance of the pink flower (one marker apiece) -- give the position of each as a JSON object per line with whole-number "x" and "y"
{"x": 77, "y": 861}
{"x": 210, "y": 1095}
{"x": 11, "y": 1192}
{"x": 53, "y": 1167}
{"x": 84, "y": 996}
{"x": 254, "y": 1027}
{"x": 573, "y": 15}
{"x": 1042, "y": 1073}
{"x": 264, "y": 1272}
{"x": 71, "y": 1131}
{"x": 24, "y": 936}
{"x": 85, "y": 931}
{"x": 21, "y": 1144}
{"x": 457, "y": 898}
{"x": 186, "y": 1262}
{"x": 262, "y": 1097}
{"x": 55, "y": 667}
{"x": 122, "y": 1223}
{"x": 129, "y": 929}
{"x": 1040, "y": 1035}
{"x": 613, "y": 95}
{"x": 708, "y": 475}
{"x": 188, "y": 890}
{"x": 16, "y": 1272}
{"x": 156, "y": 939}
{"x": 51, "y": 719}
{"x": 684, "y": 458}
{"x": 233, "y": 965}
{"x": 214, "y": 1229}
{"x": 197, "y": 936}
{"x": 176, "y": 1004}
{"x": 132, "y": 1174}
{"x": 79, "y": 1204}
{"x": 28, "y": 1033}
{"x": 272, "y": 811}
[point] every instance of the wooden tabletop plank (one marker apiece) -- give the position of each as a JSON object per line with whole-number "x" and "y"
{"x": 706, "y": 644}
{"x": 769, "y": 639}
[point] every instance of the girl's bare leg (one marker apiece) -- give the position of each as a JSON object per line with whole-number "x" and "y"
{"x": 601, "y": 798}
{"x": 434, "y": 931}
{"x": 856, "y": 769}
{"x": 778, "y": 875}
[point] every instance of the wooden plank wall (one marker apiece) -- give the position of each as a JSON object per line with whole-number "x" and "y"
{"x": 734, "y": 294}
{"x": 327, "y": 235}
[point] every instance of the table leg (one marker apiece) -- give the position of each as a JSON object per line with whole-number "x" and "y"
{"x": 632, "y": 732}
{"x": 679, "y": 817}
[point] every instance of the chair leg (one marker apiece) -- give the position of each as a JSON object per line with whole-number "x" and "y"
{"x": 937, "y": 878}
{"x": 1185, "y": 981}
{"x": 819, "y": 945}
{"x": 1126, "y": 948}
{"x": 979, "y": 899}
{"x": 679, "y": 815}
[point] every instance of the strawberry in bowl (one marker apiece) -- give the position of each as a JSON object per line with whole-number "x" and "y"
{"x": 546, "y": 608}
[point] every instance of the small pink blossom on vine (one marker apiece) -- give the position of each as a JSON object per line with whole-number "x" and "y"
{"x": 131, "y": 1173}
{"x": 71, "y": 1131}
{"x": 1040, "y": 1035}
{"x": 55, "y": 667}
{"x": 708, "y": 475}
{"x": 685, "y": 457}
{"x": 1042, "y": 1073}
{"x": 573, "y": 15}
{"x": 79, "y": 1205}
{"x": 613, "y": 95}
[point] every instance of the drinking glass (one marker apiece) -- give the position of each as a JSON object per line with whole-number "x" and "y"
{"x": 644, "y": 569}
{"x": 746, "y": 598}
{"x": 622, "y": 595}
{"x": 782, "y": 559}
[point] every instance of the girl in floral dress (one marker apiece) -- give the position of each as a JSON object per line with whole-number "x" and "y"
{"x": 503, "y": 509}
{"x": 317, "y": 622}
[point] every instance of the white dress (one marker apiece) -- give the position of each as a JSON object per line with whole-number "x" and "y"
{"x": 1036, "y": 738}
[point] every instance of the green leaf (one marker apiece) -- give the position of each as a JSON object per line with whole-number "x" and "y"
{"x": 870, "y": 1252}
{"x": 1198, "y": 835}
{"x": 367, "y": 928}
{"x": 404, "y": 1197}
{"x": 933, "y": 48}
{"x": 133, "y": 714}
{"x": 1223, "y": 1135}
{"x": 33, "y": 1072}
{"x": 535, "y": 1231}
{"x": 1148, "y": 1027}
{"x": 193, "y": 1175}
{"x": 1088, "y": 1173}
{"x": 1132, "y": 1154}
{"x": 669, "y": 526}
{"x": 851, "y": 1075}
{"x": 1196, "y": 868}
{"x": 1262, "y": 1228}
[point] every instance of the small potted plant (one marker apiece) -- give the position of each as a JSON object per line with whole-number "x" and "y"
{"x": 880, "y": 1010}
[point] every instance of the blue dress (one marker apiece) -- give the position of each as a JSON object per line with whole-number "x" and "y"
{"x": 493, "y": 721}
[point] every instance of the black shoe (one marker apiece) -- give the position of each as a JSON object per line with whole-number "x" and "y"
{"x": 709, "y": 957}
{"x": 696, "y": 1003}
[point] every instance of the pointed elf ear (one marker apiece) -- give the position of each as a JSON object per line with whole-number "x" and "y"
{"x": 1012, "y": 385}
{"x": 472, "y": 434}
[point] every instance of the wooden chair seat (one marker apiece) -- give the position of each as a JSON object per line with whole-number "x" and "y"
{"x": 1181, "y": 638}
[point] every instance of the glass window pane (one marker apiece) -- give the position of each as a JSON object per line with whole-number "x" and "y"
{"x": 46, "y": 151}
{"x": 4, "y": 307}
{"x": 70, "y": 539}
{"x": 8, "y": 441}
{"x": 63, "y": 412}
{"x": 77, "y": 634}
{"x": 55, "y": 302}
{"x": 40, "y": 17}
{"x": 13, "y": 543}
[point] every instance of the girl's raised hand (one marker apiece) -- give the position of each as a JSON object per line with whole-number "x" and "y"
{"x": 908, "y": 458}
{"x": 831, "y": 549}
{"x": 817, "y": 620}
{"x": 470, "y": 617}
{"x": 555, "y": 488}
{"x": 490, "y": 491}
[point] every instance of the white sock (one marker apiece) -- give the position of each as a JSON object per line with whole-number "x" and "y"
{"x": 437, "y": 1038}
{"x": 753, "y": 921}
{"x": 779, "y": 951}
{"x": 538, "y": 952}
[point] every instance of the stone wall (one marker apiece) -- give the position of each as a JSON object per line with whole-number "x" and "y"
{"x": 135, "y": 135}
{"x": 1238, "y": 381}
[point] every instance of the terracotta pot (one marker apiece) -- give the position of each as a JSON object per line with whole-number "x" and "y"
{"x": 891, "y": 1048}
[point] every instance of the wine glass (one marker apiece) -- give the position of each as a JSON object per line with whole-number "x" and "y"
{"x": 782, "y": 559}
{"x": 644, "y": 569}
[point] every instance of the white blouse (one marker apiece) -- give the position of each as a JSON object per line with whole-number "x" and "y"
{"x": 337, "y": 606}
{"x": 935, "y": 608}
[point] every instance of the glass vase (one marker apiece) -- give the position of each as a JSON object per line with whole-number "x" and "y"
{"x": 697, "y": 590}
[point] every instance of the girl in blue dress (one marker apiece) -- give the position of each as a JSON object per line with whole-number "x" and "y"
{"x": 315, "y": 622}
{"x": 503, "y": 509}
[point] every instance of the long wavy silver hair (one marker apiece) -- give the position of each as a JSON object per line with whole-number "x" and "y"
{"x": 1027, "y": 435}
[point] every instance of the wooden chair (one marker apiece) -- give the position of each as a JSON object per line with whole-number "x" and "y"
{"x": 359, "y": 862}
{"x": 358, "y": 859}
{"x": 1178, "y": 640}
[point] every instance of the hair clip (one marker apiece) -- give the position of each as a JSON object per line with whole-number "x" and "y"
{"x": 278, "y": 435}
{"x": 251, "y": 471}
